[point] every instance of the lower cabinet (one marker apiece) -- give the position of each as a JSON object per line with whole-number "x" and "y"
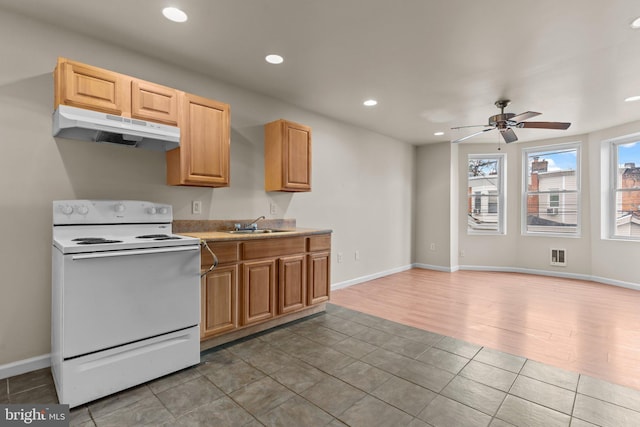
{"x": 319, "y": 277}
{"x": 261, "y": 279}
{"x": 219, "y": 295}
{"x": 258, "y": 291}
{"x": 291, "y": 284}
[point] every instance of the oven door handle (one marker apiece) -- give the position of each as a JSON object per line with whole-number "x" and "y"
{"x": 214, "y": 264}
{"x": 135, "y": 252}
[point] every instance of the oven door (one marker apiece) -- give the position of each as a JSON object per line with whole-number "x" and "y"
{"x": 118, "y": 297}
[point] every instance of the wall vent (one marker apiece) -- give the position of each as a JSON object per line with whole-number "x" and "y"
{"x": 559, "y": 257}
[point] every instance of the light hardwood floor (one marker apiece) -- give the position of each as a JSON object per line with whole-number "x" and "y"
{"x": 581, "y": 326}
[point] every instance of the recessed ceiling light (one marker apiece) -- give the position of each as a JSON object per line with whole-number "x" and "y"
{"x": 174, "y": 14}
{"x": 370, "y": 102}
{"x": 438, "y": 133}
{"x": 632, "y": 98}
{"x": 636, "y": 23}
{"x": 274, "y": 59}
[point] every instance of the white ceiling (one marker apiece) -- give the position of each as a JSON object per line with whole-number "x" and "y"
{"x": 431, "y": 64}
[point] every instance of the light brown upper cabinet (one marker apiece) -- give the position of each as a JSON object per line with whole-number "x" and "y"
{"x": 203, "y": 157}
{"x": 153, "y": 102}
{"x": 287, "y": 156}
{"x": 85, "y": 86}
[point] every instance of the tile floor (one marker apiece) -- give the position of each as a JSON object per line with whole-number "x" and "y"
{"x": 343, "y": 367}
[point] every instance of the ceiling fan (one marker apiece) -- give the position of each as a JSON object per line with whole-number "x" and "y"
{"x": 505, "y": 122}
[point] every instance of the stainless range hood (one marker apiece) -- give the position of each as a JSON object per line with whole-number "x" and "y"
{"x": 88, "y": 125}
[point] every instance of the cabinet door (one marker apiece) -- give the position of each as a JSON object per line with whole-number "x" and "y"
{"x": 203, "y": 156}
{"x": 219, "y": 301}
{"x": 84, "y": 86}
{"x": 287, "y": 156}
{"x": 291, "y": 284}
{"x": 258, "y": 291}
{"x": 157, "y": 103}
{"x": 297, "y": 161}
{"x": 319, "y": 277}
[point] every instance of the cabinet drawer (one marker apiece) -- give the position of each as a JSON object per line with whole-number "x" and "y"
{"x": 270, "y": 248}
{"x": 226, "y": 252}
{"x": 319, "y": 243}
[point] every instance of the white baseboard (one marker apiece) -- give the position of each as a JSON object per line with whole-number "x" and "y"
{"x": 578, "y": 276}
{"x": 528, "y": 271}
{"x": 363, "y": 279}
{"x": 436, "y": 267}
{"x": 453, "y": 269}
{"x": 604, "y": 280}
{"x": 25, "y": 365}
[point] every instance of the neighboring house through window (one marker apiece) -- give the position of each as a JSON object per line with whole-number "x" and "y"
{"x": 551, "y": 195}
{"x": 485, "y": 194}
{"x": 626, "y": 190}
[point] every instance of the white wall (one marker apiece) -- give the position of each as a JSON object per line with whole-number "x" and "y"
{"x": 515, "y": 249}
{"x": 610, "y": 259}
{"x": 590, "y": 255}
{"x": 363, "y": 183}
{"x": 434, "y": 205}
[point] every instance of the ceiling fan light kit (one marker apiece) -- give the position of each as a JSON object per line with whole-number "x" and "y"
{"x": 505, "y": 122}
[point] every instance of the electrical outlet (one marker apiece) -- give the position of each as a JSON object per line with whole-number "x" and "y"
{"x": 462, "y": 254}
{"x": 432, "y": 247}
{"x": 273, "y": 208}
{"x": 196, "y": 207}
{"x": 339, "y": 257}
{"x": 356, "y": 255}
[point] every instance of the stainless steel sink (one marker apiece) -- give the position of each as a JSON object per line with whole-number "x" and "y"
{"x": 256, "y": 231}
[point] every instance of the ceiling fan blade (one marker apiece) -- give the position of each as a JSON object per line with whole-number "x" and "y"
{"x": 509, "y": 135}
{"x": 473, "y": 134}
{"x": 545, "y": 125}
{"x": 471, "y": 126}
{"x": 524, "y": 116}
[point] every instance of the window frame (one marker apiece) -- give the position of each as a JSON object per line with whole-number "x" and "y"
{"x": 613, "y": 186}
{"x": 528, "y": 152}
{"x": 501, "y": 197}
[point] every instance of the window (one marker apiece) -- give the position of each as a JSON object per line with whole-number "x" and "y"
{"x": 626, "y": 190}
{"x": 485, "y": 194}
{"x": 551, "y": 194}
{"x": 493, "y": 202}
{"x": 477, "y": 205}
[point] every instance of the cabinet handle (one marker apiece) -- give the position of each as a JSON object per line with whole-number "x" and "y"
{"x": 131, "y": 252}
{"x": 215, "y": 258}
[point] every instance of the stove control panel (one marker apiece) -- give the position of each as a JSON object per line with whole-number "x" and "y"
{"x": 110, "y": 212}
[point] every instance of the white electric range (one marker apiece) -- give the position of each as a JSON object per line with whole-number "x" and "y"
{"x": 125, "y": 297}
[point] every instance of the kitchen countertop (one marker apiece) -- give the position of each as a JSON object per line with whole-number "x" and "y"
{"x": 218, "y": 236}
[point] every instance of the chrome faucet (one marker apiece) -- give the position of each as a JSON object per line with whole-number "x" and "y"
{"x": 253, "y": 225}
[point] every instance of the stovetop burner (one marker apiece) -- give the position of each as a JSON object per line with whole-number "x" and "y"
{"x": 94, "y": 240}
{"x": 158, "y": 237}
{"x": 92, "y": 226}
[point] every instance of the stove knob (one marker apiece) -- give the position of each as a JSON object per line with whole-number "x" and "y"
{"x": 120, "y": 208}
{"x": 151, "y": 211}
{"x": 164, "y": 211}
{"x": 66, "y": 209}
{"x": 82, "y": 210}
